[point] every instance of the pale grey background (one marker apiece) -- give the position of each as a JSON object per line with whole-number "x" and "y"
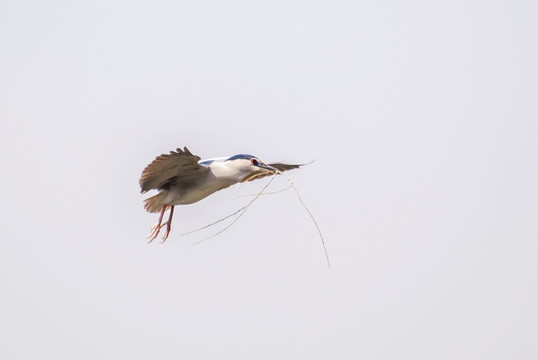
{"x": 422, "y": 117}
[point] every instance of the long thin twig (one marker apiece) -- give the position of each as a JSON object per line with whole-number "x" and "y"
{"x": 244, "y": 208}
{"x": 314, "y": 220}
{"x": 242, "y": 211}
{"x": 213, "y": 223}
{"x": 267, "y": 193}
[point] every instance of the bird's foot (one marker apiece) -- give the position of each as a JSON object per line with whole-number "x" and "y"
{"x": 165, "y": 235}
{"x": 158, "y": 226}
{"x": 156, "y": 229}
{"x": 168, "y": 228}
{"x": 155, "y": 232}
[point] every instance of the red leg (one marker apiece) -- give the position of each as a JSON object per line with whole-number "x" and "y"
{"x": 168, "y": 224}
{"x": 157, "y": 227}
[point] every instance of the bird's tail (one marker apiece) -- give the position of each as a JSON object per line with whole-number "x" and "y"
{"x": 155, "y": 203}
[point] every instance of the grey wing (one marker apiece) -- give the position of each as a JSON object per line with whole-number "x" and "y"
{"x": 279, "y": 166}
{"x": 179, "y": 164}
{"x": 285, "y": 167}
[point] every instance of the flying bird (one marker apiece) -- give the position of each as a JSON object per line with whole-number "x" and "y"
{"x": 183, "y": 178}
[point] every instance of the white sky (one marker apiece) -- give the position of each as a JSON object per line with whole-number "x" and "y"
{"x": 423, "y": 120}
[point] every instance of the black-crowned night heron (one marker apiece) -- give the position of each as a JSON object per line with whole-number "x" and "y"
{"x": 183, "y": 178}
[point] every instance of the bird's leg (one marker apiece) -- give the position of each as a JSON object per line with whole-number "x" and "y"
{"x": 157, "y": 227}
{"x": 168, "y": 224}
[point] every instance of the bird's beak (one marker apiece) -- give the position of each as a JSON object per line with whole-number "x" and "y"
{"x": 268, "y": 167}
{"x": 264, "y": 170}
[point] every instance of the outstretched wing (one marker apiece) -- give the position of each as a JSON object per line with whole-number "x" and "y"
{"x": 286, "y": 167}
{"x": 179, "y": 165}
{"x": 281, "y": 167}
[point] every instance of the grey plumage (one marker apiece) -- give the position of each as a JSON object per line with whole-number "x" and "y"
{"x": 179, "y": 165}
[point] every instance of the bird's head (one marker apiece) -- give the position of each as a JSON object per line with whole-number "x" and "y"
{"x": 249, "y": 167}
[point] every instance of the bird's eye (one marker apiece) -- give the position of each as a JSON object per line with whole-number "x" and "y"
{"x": 254, "y": 162}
